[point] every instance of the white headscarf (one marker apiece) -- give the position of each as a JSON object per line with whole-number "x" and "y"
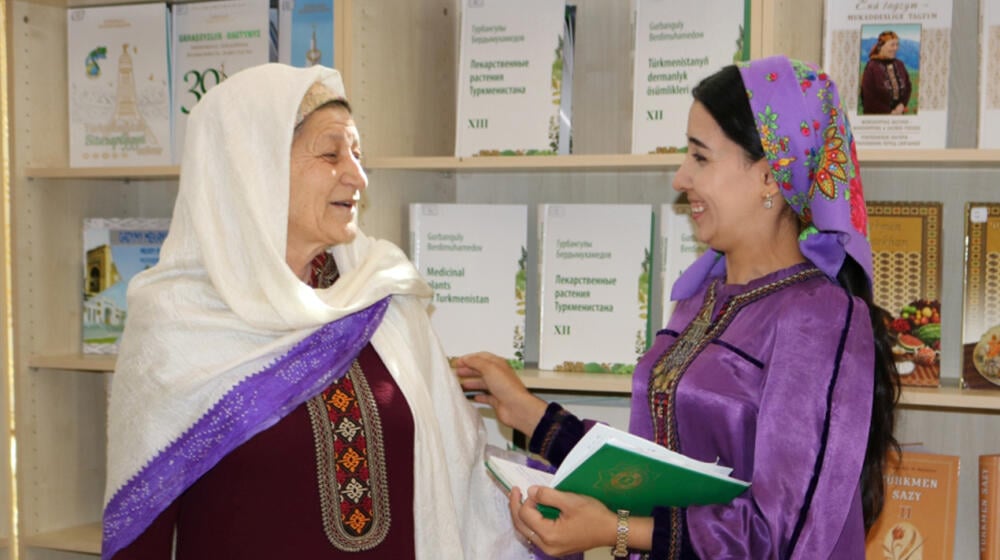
{"x": 222, "y": 304}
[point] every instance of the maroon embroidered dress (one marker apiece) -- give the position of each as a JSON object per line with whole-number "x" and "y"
{"x": 885, "y": 84}
{"x": 332, "y": 479}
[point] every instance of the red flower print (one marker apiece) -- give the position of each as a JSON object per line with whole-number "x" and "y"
{"x": 859, "y": 216}
{"x": 815, "y": 125}
{"x": 805, "y": 129}
{"x": 822, "y": 77}
{"x": 772, "y": 76}
{"x": 806, "y": 84}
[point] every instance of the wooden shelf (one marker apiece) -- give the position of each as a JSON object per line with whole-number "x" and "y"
{"x": 599, "y": 162}
{"x": 85, "y": 539}
{"x": 948, "y": 396}
{"x": 94, "y": 363}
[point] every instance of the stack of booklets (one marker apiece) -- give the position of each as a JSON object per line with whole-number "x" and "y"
{"x": 119, "y": 85}
{"x": 981, "y": 313}
{"x": 918, "y": 517}
{"x": 511, "y": 78}
{"x": 891, "y": 63}
{"x": 474, "y": 256}
{"x": 596, "y": 273}
{"x": 114, "y": 251}
{"x": 676, "y": 45}
{"x": 625, "y": 471}
{"x": 906, "y": 255}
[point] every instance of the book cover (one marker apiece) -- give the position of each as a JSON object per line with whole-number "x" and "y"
{"x": 680, "y": 248}
{"x": 895, "y": 55}
{"x": 211, "y": 41}
{"x": 918, "y": 518}
{"x": 119, "y": 85}
{"x": 989, "y": 507}
{"x": 676, "y": 45}
{"x": 595, "y": 267}
{"x": 981, "y": 305}
{"x": 906, "y": 255}
{"x": 114, "y": 251}
{"x": 989, "y": 74}
{"x": 625, "y": 471}
{"x": 474, "y": 257}
{"x": 510, "y": 77}
{"x": 305, "y": 34}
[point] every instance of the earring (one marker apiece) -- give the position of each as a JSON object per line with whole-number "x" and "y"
{"x": 769, "y": 201}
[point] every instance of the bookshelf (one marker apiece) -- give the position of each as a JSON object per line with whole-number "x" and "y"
{"x": 400, "y": 66}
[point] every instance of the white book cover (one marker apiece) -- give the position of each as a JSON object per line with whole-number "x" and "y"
{"x": 510, "y": 77}
{"x": 677, "y": 44}
{"x": 595, "y": 286}
{"x": 114, "y": 251}
{"x": 890, "y": 61}
{"x": 680, "y": 248}
{"x": 211, "y": 41}
{"x": 989, "y": 74}
{"x": 305, "y": 33}
{"x": 474, "y": 256}
{"x": 119, "y": 85}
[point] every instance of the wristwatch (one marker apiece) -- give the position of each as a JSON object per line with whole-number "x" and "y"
{"x": 621, "y": 539}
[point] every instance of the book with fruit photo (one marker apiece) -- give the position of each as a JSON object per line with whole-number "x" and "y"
{"x": 906, "y": 254}
{"x": 981, "y": 306}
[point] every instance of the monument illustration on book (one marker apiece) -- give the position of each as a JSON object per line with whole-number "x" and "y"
{"x": 119, "y": 101}
{"x": 625, "y": 471}
{"x": 906, "y": 255}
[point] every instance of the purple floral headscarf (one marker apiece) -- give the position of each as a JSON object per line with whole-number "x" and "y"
{"x": 808, "y": 142}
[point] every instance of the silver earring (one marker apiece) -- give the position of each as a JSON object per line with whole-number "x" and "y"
{"x": 769, "y": 202}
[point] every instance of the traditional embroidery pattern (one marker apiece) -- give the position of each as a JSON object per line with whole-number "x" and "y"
{"x": 350, "y": 461}
{"x": 670, "y": 367}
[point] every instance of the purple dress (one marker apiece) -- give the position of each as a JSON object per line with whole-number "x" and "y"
{"x": 776, "y": 382}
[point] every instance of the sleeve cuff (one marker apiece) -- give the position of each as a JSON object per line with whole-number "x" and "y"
{"x": 556, "y": 433}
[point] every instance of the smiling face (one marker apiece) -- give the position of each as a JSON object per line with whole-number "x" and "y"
{"x": 325, "y": 183}
{"x": 725, "y": 190}
{"x": 890, "y": 48}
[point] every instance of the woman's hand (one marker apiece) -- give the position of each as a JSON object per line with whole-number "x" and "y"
{"x": 502, "y": 389}
{"x": 583, "y": 523}
{"x": 899, "y": 109}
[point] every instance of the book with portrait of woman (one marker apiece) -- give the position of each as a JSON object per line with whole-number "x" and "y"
{"x": 906, "y": 259}
{"x": 892, "y": 63}
{"x": 981, "y": 302}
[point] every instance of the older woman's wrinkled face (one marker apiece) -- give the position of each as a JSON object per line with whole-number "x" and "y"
{"x": 890, "y": 48}
{"x": 326, "y": 181}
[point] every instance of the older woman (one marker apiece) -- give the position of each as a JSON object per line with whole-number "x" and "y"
{"x": 273, "y": 399}
{"x": 775, "y": 362}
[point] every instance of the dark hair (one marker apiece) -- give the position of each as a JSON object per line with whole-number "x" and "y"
{"x": 723, "y": 94}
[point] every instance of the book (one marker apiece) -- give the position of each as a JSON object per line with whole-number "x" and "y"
{"x": 474, "y": 256}
{"x": 211, "y": 41}
{"x": 679, "y": 248}
{"x": 906, "y": 258}
{"x": 891, "y": 62}
{"x": 114, "y": 251}
{"x": 989, "y": 507}
{"x": 305, "y": 33}
{"x": 981, "y": 299}
{"x": 625, "y": 471}
{"x": 989, "y": 74}
{"x": 510, "y": 77}
{"x": 921, "y": 501}
{"x": 595, "y": 266}
{"x": 119, "y": 85}
{"x": 677, "y": 44}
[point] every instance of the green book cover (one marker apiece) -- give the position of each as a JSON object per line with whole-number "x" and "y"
{"x": 625, "y": 471}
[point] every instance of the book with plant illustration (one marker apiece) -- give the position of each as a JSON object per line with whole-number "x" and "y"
{"x": 906, "y": 255}
{"x": 981, "y": 306}
{"x": 511, "y": 77}
{"x": 474, "y": 257}
{"x": 595, "y": 268}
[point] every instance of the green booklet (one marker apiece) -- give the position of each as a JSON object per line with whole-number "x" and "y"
{"x": 625, "y": 471}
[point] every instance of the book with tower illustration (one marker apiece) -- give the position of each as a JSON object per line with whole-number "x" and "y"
{"x": 306, "y": 33}
{"x": 595, "y": 268}
{"x": 906, "y": 254}
{"x": 474, "y": 257}
{"x": 119, "y": 85}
